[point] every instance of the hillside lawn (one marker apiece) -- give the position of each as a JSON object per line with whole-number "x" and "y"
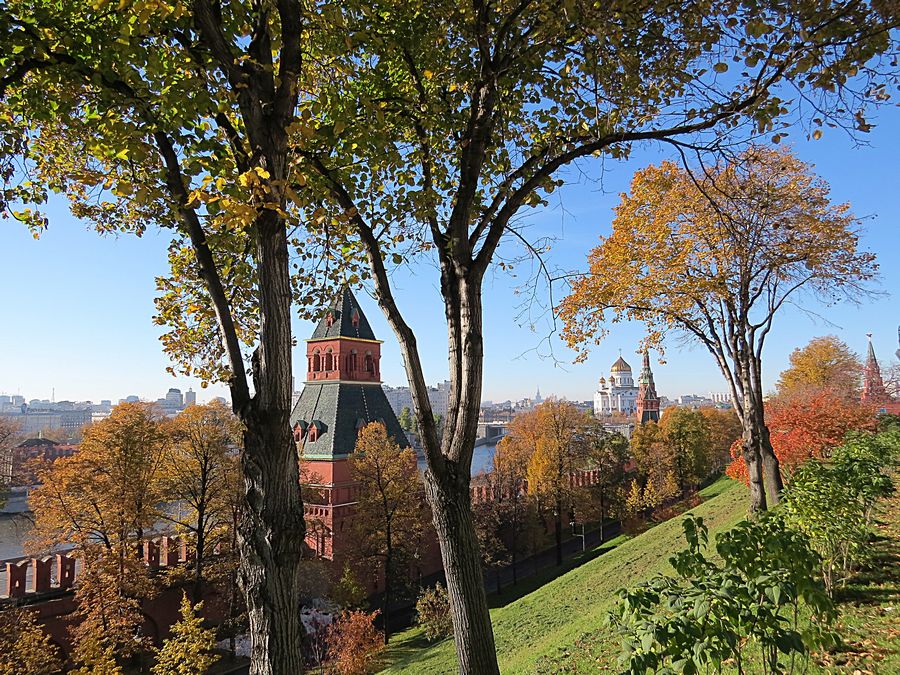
{"x": 558, "y": 625}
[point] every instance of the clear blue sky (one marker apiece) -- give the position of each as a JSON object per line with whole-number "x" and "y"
{"x": 77, "y": 308}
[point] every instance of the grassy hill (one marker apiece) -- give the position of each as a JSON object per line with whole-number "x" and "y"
{"x": 561, "y": 623}
{"x": 557, "y": 626}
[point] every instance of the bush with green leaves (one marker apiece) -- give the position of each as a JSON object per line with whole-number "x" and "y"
{"x": 831, "y": 501}
{"x": 751, "y": 595}
{"x": 433, "y": 613}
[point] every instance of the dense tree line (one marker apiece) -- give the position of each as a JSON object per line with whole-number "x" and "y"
{"x": 135, "y": 475}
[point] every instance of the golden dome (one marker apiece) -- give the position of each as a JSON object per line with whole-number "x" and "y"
{"x": 620, "y": 366}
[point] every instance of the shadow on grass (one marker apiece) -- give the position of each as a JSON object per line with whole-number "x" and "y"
{"x": 877, "y": 583}
{"x": 530, "y": 584}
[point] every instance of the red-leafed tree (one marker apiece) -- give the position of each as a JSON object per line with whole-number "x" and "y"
{"x": 808, "y": 425}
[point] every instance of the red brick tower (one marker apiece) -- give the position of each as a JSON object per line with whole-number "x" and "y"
{"x": 342, "y": 394}
{"x": 874, "y": 391}
{"x": 647, "y": 401}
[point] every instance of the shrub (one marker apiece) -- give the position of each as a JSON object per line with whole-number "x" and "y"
{"x": 355, "y": 643}
{"x": 24, "y": 645}
{"x": 433, "y": 613}
{"x": 348, "y": 593}
{"x": 832, "y": 502}
{"x": 703, "y": 617}
{"x": 189, "y": 650}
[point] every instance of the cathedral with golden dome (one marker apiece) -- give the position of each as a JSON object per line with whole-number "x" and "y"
{"x": 619, "y": 393}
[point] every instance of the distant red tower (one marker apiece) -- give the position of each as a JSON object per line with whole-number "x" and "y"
{"x": 342, "y": 394}
{"x": 647, "y": 401}
{"x": 873, "y": 386}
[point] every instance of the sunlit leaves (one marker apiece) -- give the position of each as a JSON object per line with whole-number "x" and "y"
{"x": 720, "y": 246}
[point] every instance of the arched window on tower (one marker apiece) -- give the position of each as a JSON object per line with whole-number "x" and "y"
{"x": 354, "y": 360}
{"x": 316, "y": 362}
{"x": 370, "y": 363}
{"x": 329, "y": 361}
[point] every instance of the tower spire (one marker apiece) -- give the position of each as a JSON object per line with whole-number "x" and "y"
{"x": 647, "y": 400}
{"x": 873, "y": 385}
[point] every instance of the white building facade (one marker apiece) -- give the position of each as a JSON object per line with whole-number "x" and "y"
{"x": 401, "y": 397}
{"x": 618, "y": 394}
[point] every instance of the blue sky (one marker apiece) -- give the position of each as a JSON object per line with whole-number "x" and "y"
{"x": 78, "y": 307}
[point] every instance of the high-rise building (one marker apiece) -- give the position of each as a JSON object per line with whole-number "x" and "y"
{"x": 174, "y": 399}
{"x": 647, "y": 403}
{"x": 190, "y": 398}
{"x": 341, "y": 395}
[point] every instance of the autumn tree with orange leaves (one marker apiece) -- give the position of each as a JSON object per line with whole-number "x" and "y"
{"x": 714, "y": 255}
{"x": 103, "y": 500}
{"x": 390, "y": 510}
{"x": 809, "y": 424}
{"x": 198, "y": 479}
{"x": 559, "y": 451}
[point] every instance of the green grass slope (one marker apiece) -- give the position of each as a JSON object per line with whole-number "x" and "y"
{"x": 560, "y": 625}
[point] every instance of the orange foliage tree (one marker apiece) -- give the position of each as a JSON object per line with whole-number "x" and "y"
{"x": 390, "y": 511}
{"x": 199, "y": 477}
{"x": 714, "y": 255}
{"x": 354, "y": 643}
{"x": 559, "y": 451}
{"x": 809, "y": 425}
{"x": 102, "y": 500}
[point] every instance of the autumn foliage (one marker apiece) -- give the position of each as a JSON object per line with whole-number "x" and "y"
{"x": 24, "y": 645}
{"x": 807, "y": 425}
{"x": 355, "y": 643}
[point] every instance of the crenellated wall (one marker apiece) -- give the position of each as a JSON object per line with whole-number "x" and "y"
{"x": 487, "y": 492}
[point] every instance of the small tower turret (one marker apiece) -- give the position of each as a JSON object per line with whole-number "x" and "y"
{"x": 647, "y": 400}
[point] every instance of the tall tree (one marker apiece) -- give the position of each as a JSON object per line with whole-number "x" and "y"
{"x": 9, "y": 432}
{"x": 717, "y": 256}
{"x": 510, "y": 479}
{"x": 180, "y": 114}
{"x": 608, "y": 454}
{"x": 560, "y": 451}
{"x": 195, "y": 480}
{"x": 825, "y": 362}
{"x": 389, "y": 512}
{"x": 107, "y": 494}
{"x": 471, "y": 108}
{"x": 687, "y": 432}
{"x": 724, "y": 429}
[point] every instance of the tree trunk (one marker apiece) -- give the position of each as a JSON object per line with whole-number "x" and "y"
{"x": 472, "y": 630}
{"x": 386, "y": 602}
{"x": 197, "y": 591}
{"x": 272, "y": 529}
{"x": 559, "y": 536}
{"x": 753, "y": 459}
{"x": 770, "y": 466}
{"x": 515, "y": 538}
{"x": 602, "y": 514}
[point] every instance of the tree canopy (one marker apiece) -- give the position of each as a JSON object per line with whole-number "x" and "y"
{"x": 715, "y": 255}
{"x": 825, "y": 362}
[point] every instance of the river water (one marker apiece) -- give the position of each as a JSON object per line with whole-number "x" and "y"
{"x": 482, "y": 459}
